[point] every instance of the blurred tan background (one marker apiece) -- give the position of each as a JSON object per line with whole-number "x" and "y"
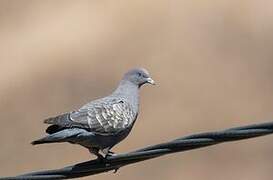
{"x": 212, "y": 60}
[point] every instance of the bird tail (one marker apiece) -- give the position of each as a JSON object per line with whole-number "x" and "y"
{"x": 60, "y": 136}
{"x": 41, "y": 141}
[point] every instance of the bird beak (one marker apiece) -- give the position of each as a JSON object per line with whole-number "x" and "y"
{"x": 150, "y": 81}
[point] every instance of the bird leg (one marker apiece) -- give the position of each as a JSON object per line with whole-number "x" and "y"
{"x": 95, "y": 151}
{"x": 109, "y": 153}
{"x": 102, "y": 158}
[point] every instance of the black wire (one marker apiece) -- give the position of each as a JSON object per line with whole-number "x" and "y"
{"x": 178, "y": 145}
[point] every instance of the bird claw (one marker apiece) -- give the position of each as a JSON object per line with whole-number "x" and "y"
{"x": 100, "y": 159}
{"x": 116, "y": 170}
{"x": 109, "y": 154}
{"x": 104, "y": 159}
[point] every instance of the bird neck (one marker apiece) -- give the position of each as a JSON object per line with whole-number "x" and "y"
{"x": 128, "y": 91}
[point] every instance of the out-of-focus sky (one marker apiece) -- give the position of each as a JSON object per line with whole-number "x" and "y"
{"x": 212, "y": 60}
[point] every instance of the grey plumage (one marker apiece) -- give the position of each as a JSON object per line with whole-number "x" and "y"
{"x": 102, "y": 123}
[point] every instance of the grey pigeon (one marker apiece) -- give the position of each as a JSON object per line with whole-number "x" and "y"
{"x": 102, "y": 123}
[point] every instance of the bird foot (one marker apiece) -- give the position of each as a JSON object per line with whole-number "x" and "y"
{"x": 95, "y": 151}
{"x": 100, "y": 158}
{"x": 109, "y": 154}
{"x": 116, "y": 170}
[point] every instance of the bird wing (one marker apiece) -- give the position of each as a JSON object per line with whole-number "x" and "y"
{"x": 102, "y": 118}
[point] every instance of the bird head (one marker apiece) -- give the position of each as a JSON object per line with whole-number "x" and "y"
{"x": 139, "y": 77}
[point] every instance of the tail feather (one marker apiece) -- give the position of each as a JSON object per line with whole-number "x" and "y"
{"x": 60, "y": 136}
{"x": 41, "y": 141}
{"x": 58, "y": 120}
{"x": 54, "y": 128}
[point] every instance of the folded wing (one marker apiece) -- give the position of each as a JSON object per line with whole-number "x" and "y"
{"x": 100, "y": 118}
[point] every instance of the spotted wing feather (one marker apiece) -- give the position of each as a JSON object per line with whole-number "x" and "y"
{"x": 101, "y": 118}
{"x": 106, "y": 118}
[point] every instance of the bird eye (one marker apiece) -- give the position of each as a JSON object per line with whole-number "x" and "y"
{"x": 139, "y": 74}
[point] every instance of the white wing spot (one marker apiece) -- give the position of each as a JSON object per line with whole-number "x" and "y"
{"x": 99, "y": 120}
{"x": 89, "y": 122}
{"x": 104, "y": 115}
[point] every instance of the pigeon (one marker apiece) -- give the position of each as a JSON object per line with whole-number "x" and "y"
{"x": 102, "y": 123}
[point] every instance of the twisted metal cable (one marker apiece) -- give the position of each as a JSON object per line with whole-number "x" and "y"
{"x": 178, "y": 145}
